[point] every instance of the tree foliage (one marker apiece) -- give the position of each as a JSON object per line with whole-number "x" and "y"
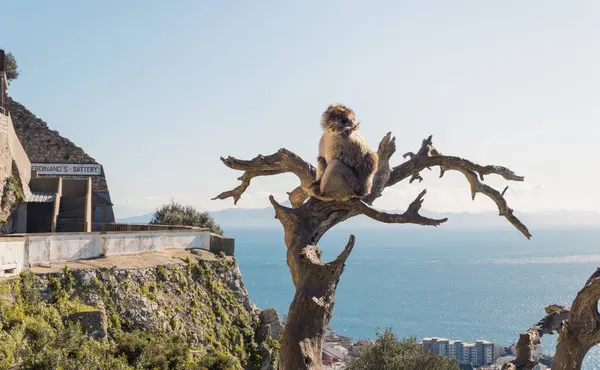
{"x": 12, "y": 73}
{"x": 388, "y": 353}
{"x": 175, "y": 213}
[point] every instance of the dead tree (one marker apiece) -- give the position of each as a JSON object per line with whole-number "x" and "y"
{"x": 578, "y": 331}
{"x": 309, "y": 219}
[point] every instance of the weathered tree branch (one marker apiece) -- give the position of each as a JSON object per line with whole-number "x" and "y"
{"x": 553, "y": 321}
{"x": 283, "y": 161}
{"x": 578, "y": 331}
{"x": 309, "y": 219}
{"x": 411, "y": 215}
{"x": 428, "y": 156}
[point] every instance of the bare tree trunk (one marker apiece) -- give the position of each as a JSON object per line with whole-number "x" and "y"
{"x": 312, "y": 306}
{"x": 308, "y": 316}
{"x": 578, "y": 331}
{"x": 315, "y": 282}
{"x": 570, "y": 355}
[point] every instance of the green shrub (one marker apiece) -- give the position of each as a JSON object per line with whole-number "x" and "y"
{"x": 387, "y": 353}
{"x": 177, "y": 214}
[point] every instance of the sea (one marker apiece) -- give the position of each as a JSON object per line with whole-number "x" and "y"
{"x": 423, "y": 281}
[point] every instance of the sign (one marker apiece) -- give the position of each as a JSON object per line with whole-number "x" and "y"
{"x": 67, "y": 169}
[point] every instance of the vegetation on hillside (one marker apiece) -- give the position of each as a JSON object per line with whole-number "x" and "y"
{"x": 12, "y": 196}
{"x": 175, "y": 213}
{"x": 387, "y": 353}
{"x": 212, "y": 331}
{"x": 12, "y": 72}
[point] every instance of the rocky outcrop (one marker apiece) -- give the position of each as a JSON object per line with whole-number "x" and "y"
{"x": 271, "y": 325}
{"x": 204, "y": 301}
{"x": 93, "y": 323}
{"x": 268, "y": 333}
{"x": 44, "y": 145}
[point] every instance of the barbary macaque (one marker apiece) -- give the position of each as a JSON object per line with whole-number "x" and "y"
{"x": 346, "y": 165}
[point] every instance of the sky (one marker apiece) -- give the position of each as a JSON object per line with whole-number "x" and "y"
{"x": 158, "y": 91}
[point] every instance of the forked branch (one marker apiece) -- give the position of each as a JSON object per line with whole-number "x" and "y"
{"x": 283, "y": 161}
{"x": 530, "y": 339}
{"x": 578, "y": 331}
{"x": 428, "y": 156}
{"x": 411, "y": 215}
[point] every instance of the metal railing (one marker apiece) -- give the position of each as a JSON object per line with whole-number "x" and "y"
{"x": 111, "y": 227}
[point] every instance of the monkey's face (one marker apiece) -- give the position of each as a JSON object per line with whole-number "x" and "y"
{"x": 338, "y": 119}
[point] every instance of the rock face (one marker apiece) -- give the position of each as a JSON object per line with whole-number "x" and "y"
{"x": 270, "y": 329}
{"x": 44, "y": 145}
{"x": 204, "y": 301}
{"x": 93, "y": 323}
{"x": 271, "y": 323}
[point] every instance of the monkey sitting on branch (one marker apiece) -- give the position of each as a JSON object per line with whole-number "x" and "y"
{"x": 346, "y": 165}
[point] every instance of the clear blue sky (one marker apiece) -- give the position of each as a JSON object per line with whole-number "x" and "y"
{"x": 157, "y": 91}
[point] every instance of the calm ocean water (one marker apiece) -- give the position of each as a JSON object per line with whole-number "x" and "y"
{"x": 459, "y": 284}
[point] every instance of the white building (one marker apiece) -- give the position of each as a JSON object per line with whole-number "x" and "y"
{"x": 485, "y": 352}
{"x": 480, "y": 353}
{"x": 470, "y": 353}
{"x": 442, "y": 346}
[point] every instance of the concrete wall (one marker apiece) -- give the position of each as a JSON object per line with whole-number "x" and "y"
{"x": 12, "y": 251}
{"x": 45, "y": 184}
{"x": 5, "y": 156}
{"x": 60, "y": 247}
{"x": 19, "y": 157}
{"x": 43, "y": 249}
{"x": 74, "y": 187}
{"x": 150, "y": 241}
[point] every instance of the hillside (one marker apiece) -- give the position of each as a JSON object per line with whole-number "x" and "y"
{"x": 166, "y": 310}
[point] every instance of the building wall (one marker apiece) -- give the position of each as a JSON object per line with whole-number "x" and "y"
{"x": 459, "y": 351}
{"x": 74, "y": 188}
{"x": 5, "y": 157}
{"x": 43, "y": 249}
{"x": 13, "y": 161}
{"x": 44, "y": 184}
{"x": 19, "y": 156}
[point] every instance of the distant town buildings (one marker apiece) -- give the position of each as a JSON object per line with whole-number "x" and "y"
{"x": 480, "y": 353}
{"x": 335, "y": 349}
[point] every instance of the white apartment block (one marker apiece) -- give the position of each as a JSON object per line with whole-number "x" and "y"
{"x": 480, "y": 353}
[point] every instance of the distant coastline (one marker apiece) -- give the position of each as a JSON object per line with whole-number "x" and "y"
{"x": 241, "y": 218}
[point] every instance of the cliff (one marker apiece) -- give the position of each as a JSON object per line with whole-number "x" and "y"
{"x": 169, "y": 310}
{"x": 44, "y": 145}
